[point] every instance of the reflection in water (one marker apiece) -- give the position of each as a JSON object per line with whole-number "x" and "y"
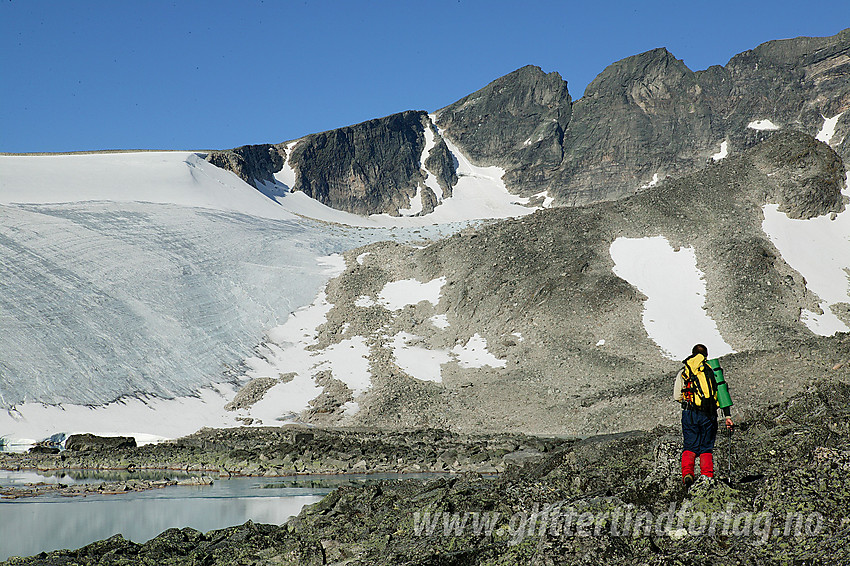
{"x": 28, "y": 527}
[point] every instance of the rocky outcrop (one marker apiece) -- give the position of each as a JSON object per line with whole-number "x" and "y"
{"x": 275, "y": 451}
{"x": 440, "y": 162}
{"x": 516, "y": 122}
{"x": 254, "y": 164}
{"x": 369, "y": 168}
{"x": 91, "y": 442}
{"x": 795, "y": 83}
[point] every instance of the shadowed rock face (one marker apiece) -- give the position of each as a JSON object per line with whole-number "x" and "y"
{"x": 373, "y": 167}
{"x": 254, "y": 164}
{"x": 366, "y": 168}
{"x": 517, "y": 121}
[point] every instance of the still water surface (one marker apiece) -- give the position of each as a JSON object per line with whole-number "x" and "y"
{"x": 32, "y": 525}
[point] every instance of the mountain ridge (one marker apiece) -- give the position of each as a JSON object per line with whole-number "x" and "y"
{"x": 645, "y": 117}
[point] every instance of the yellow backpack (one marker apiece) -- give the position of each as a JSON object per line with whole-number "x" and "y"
{"x": 695, "y": 384}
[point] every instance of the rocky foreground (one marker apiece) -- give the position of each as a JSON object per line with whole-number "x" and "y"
{"x": 614, "y": 499}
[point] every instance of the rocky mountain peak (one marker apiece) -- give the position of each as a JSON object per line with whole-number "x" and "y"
{"x": 518, "y": 118}
{"x": 644, "y": 118}
{"x": 656, "y": 67}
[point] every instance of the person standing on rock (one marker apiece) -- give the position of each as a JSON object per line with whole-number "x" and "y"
{"x": 701, "y": 389}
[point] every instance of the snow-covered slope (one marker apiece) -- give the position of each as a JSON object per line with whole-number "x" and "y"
{"x": 150, "y": 277}
{"x": 179, "y": 178}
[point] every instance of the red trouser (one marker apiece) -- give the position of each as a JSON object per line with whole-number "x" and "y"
{"x": 706, "y": 463}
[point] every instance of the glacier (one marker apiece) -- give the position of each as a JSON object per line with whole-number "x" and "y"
{"x": 145, "y": 274}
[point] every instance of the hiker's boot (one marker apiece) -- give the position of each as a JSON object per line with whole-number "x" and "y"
{"x": 688, "y": 480}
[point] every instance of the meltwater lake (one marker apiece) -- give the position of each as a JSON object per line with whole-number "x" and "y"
{"x": 29, "y": 526}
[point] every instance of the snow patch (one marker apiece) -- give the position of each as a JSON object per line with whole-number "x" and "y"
{"x": 762, "y": 125}
{"x": 828, "y": 129}
{"x": 364, "y": 301}
{"x": 723, "y": 153}
{"x": 362, "y": 257}
{"x": 430, "y": 179}
{"x": 673, "y": 315}
{"x": 601, "y": 343}
{"x": 547, "y": 200}
{"x": 287, "y": 174}
{"x": 415, "y": 204}
{"x": 652, "y": 183}
{"x": 441, "y": 321}
{"x": 474, "y": 354}
{"x": 349, "y": 362}
{"x": 418, "y": 362}
{"x": 399, "y": 294}
{"x": 819, "y": 249}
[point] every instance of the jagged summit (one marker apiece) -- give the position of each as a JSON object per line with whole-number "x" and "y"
{"x": 644, "y": 118}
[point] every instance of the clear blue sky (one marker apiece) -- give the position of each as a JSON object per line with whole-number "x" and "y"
{"x": 216, "y": 74}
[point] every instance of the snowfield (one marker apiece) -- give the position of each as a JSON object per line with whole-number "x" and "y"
{"x": 175, "y": 178}
{"x": 819, "y": 249}
{"x": 673, "y": 317}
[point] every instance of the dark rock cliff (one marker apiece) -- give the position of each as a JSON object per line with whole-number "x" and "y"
{"x": 254, "y": 164}
{"x": 372, "y": 167}
{"x": 366, "y": 168}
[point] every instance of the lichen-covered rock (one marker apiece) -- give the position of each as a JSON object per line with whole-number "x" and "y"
{"x": 616, "y": 498}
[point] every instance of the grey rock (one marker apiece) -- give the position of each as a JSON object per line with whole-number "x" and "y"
{"x": 517, "y": 122}
{"x": 548, "y": 277}
{"x": 254, "y": 390}
{"x": 648, "y": 114}
{"x": 254, "y": 164}
{"x": 86, "y": 442}
{"x": 368, "y": 168}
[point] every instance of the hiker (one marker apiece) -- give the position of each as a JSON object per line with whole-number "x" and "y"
{"x": 701, "y": 389}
